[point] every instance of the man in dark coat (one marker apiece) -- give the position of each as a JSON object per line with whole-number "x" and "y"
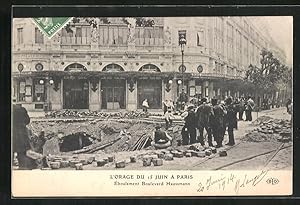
{"x": 21, "y": 142}
{"x": 217, "y": 122}
{"x": 230, "y": 119}
{"x": 203, "y": 115}
{"x": 189, "y": 129}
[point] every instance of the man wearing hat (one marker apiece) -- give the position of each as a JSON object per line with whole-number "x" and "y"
{"x": 231, "y": 119}
{"x": 203, "y": 115}
{"x": 217, "y": 122}
{"x": 189, "y": 129}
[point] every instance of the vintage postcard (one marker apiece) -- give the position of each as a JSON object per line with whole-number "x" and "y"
{"x": 152, "y": 106}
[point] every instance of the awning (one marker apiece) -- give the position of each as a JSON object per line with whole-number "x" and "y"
{"x": 100, "y": 74}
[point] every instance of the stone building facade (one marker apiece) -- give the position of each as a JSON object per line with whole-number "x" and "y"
{"x": 117, "y": 65}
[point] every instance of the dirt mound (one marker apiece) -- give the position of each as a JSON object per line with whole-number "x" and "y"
{"x": 98, "y": 114}
{"x": 270, "y": 129}
{"x": 261, "y": 120}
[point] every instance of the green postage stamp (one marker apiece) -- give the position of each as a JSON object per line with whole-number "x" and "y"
{"x": 51, "y": 25}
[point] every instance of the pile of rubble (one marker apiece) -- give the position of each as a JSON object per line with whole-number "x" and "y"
{"x": 270, "y": 129}
{"x": 155, "y": 158}
{"x": 98, "y": 114}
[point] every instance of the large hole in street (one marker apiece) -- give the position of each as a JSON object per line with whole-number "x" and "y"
{"x": 75, "y": 142}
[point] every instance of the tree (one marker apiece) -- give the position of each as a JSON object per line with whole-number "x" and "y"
{"x": 270, "y": 76}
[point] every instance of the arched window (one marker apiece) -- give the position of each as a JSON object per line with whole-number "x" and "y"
{"x": 149, "y": 68}
{"x": 113, "y": 68}
{"x": 75, "y": 67}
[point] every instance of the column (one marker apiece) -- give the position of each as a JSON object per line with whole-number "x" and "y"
{"x": 56, "y": 97}
{"x": 94, "y": 93}
{"x": 131, "y": 97}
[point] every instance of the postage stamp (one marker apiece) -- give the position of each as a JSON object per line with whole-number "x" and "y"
{"x": 51, "y": 25}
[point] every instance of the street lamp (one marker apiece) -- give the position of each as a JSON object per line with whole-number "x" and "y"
{"x": 182, "y": 43}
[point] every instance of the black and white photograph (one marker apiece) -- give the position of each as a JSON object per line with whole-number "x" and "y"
{"x": 184, "y": 95}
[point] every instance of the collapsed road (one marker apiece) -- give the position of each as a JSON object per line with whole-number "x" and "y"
{"x": 90, "y": 143}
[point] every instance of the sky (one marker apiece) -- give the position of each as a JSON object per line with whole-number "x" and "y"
{"x": 281, "y": 30}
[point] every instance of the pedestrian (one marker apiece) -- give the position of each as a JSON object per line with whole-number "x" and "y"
{"x": 21, "y": 141}
{"x": 241, "y": 108}
{"x": 203, "y": 115}
{"x": 230, "y": 119}
{"x": 189, "y": 128}
{"x": 288, "y": 102}
{"x": 161, "y": 139}
{"x": 145, "y": 106}
{"x": 249, "y": 108}
{"x": 165, "y": 104}
{"x": 169, "y": 118}
{"x": 217, "y": 122}
{"x": 183, "y": 99}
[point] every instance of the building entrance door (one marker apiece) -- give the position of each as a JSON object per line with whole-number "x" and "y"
{"x": 113, "y": 94}
{"x": 152, "y": 91}
{"x": 76, "y": 94}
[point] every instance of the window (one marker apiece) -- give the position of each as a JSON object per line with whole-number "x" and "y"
{"x": 200, "y": 38}
{"x": 79, "y": 36}
{"x": 149, "y": 68}
{"x": 19, "y": 35}
{"x": 38, "y": 90}
{"x": 149, "y": 36}
{"x": 113, "y": 35}
{"x": 39, "y": 38}
{"x": 113, "y": 68}
{"x": 22, "y": 90}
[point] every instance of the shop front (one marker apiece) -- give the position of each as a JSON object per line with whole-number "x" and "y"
{"x": 113, "y": 94}
{"x": 150, "y": 89}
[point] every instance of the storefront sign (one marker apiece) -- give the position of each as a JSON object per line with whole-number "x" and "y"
{"x": 192, "y": 91}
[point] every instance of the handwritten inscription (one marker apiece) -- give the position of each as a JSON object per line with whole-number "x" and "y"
{"x": 224, "y": 182}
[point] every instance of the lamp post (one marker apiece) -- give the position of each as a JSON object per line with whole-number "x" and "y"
{"x": 182, "y": 43}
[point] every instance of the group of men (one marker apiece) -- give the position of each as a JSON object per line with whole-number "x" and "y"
{"x": 215, "y": 117}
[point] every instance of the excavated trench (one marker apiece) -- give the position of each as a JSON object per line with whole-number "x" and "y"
{"x": 75, "y": 142}
{"x": 87, "y": 134}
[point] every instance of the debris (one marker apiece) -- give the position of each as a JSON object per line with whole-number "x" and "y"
{"x": 178, "y": 154}
{"x": 111, "y": 158}
{"x": 120, "y": 164}
{"x": 213, "y": 150}
{"x": 270, "y": 129}
{"x": 101, "y": 163}
{"x": 168, "y": 157}
{"x": 132, "y": 159}
{"x": 64, "y": 163}
{"x": 201, "y": 154}
{"x": 73, "y": 162}
{"x": 188, "y": 154}
{"x": 208, "y": 152}
{"x": 147, "y": 161}
{"x": 90, "y": 160}
{"x": 54, "y": 165}
{"x": 157, "y": 162}
{"x": 78, "y": 166}
{"x": 161, "y": 155}
{"x": 222, "y": 153}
